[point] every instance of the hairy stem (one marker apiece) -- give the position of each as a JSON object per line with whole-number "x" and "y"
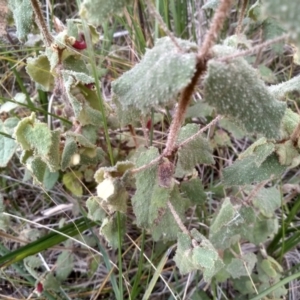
{"x": 241, "y": 17}
{"x": 40, "y": 21}
{"x": 202, "y": 58}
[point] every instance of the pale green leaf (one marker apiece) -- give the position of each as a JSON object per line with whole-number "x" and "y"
{"x": 32, "y": 134}
{"x": 197, "y": 254}
{"x": 195, "y": 152}
{"x": 7, "y": 147}
{"x": 37, "y": 168}
{"x": 72, "y": 182}
{"x": 267, "y": 200}
{"x": 246, "y": 171}
{"x": 23, "y": 16}
{"x": 288, "y": 14}
{"x": 50, "y": 282}
{"x": 96, "y": 12}
{"x": 69, "y": 151}
{"x": 156, "y": 81}
{"x": 271, "y": 29}
{"x": 145, "y": 183}
{"x": 242, "y": 266}
{"x": 8, "y": 106}
{"x": 236, "y": 91}
{"x": 38, "y": 69}
{"x": 95, "y": 211}
{"x": 211, "y": 4}
{"x": 64, "y": 265}
{"x": 111, "y": 230}
{"x": 232, "y": 127}
{"x": 50, "y": 178}
{"x": 280, "y": 90}
{"x": 287, "y": 153}
{"x": 193, "y": 190}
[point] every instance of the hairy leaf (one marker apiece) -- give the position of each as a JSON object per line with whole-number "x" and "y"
{"x": 32, "y": 134}
{"x": 267, "y": 201}
{"x": 156, "y": 81}
{"x": 281, "y": 89}
{"x": 72, "y": 182}
{"x": 97, "y": 11}
{"x": 110, "y": 229}
{"x": 236, "y": 91}
{"x": 195, "y": 152}
{"x": 288, "y": 13}
{"x": 38, "y": 69}
{"x": 64, "y": 265}
{"x": 242, "y": 266}
{"x": 193, "y": 190}
{"x": 7, "y": 146}
{"x": 246, "y": 171}
{"x": 23, "y": 16}
{"x": 95, "y": 211}
{"x": 197, "y": 254}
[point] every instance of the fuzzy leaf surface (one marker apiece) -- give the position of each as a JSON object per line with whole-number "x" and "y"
{"x": 23, "y": 16}
{"x": 97, "y": 11}
{"x": 72, "y": 183}
{"x": 236, "y": 91}
{"x": 242, "y": 266}
{"x": 156, "y": 81}
{"x": 110, "y": 230}
{"x": 32, "y": 134}
{"x": 288, "y": 13}
{"x": 246, "y": 171}
{"x": 64, "y": 265}
{"x": 95, "y": 211}
{"x": 195, "y": 152}
{"x": 197, "y": 254}
{"x": 7, "y": 146}
{"x": 193, "y": 190}
{"x": 38, "y": 69}
{"x": 281, "y": 89}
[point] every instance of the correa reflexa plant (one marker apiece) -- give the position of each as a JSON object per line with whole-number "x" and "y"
{"x": 160, "y": 182}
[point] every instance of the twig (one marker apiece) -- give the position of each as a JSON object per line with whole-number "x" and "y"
{"x": 144, "y": 167}
{"x": 213, "y": 122}
{"x": 40, "y": 21}
{"x": 254, "y": 49}
{"x": 215, "y": 28}
{"x": 162, "y": 24}
{"x": 177, "y": 219}
{"x": 241, "y": 17}
{"x": 202, "y": 58}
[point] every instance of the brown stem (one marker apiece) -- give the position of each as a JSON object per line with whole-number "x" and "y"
{"x": 215, "y": 28}
{"x": 40, "y": 21}
{"x": 182, "y": 107}
{"x": 241, "y": 17}
{"x": 177, "y": 219}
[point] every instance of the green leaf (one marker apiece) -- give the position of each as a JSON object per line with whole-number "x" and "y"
{"x": 7, "y": 146}
{"x": 145, "y": 184}
{"x": 8, "y": 106}
{"x": 72, "y": 183}
{"x": 38, "y": 69}
{"x": 280, "y": 90}
{"x": 211, "y": 4}
{"x": 242, "y": 266}
{"x": 37, "y": 167}
{"x": 267, "y": 201}
{"x": 32, "y": 134}
{"x": 236, "y": 91}
{"x": 50, "y": 282}
{"x": 288, "y": 13}
{"x": 162, "y": 73}
{"x": 50, "y": 178}
{"x": 193, "y": 190}
{"x": 23, "y": 16}
{"x": 96, "y": 12}
{"x": 64, "y": 265}
{"x": 84, "y": 113}
{"x": 230, "y": 126}
{"x": 161, "y": 220}
{"x": 271, "y": 29}
{"x": 246, "y": 171}
{"x": 110, "y": 229}
{"x": 230, "y": 224}
{"x": 195, "y": 152}
{"x": 95, "y": 211}
{"x": 288, "y": 154}
{"x": 197, "y": 254}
